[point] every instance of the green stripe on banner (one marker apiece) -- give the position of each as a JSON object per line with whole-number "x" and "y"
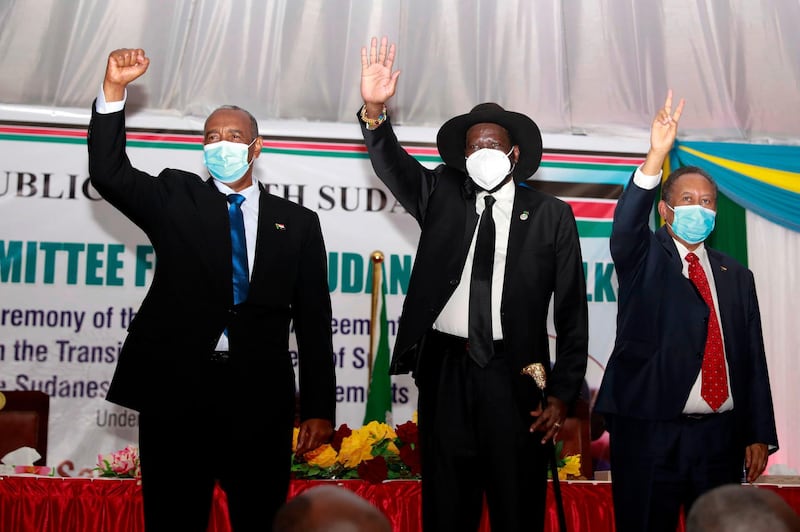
{"x": 39, "y": 138}
{"x": 730, "y": 231}
{"x": 588, "y": 229}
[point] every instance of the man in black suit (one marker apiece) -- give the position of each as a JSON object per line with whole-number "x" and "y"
{"x": 206, "y": 360}
{"x": 469, "y": 327}
{"x": 686, "y": 392}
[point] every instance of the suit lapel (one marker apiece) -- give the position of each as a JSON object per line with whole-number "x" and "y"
{"x": 470, "y": 223}
{"x": 522, "y": 223}
{"x": 726, "y": 294}
{"x": 269, "y": 237}
{"x": 212, "y": 211}
{"x": 669, "y": 247}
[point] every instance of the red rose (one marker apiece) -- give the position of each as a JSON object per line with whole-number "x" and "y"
{"x": 411, "y": 458}
{"x": 341, "y": 433}
{"x": 374, "y": 471}
{"x": 408, "y": 432}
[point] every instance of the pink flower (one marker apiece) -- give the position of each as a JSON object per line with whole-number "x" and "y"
{"x": 124, "y": 463}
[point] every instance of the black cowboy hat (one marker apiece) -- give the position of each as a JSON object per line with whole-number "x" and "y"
{"x": 452, "y": 137}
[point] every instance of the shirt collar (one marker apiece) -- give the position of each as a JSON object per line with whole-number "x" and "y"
{"x": 503, "y": 194}
{"x": 248, "y": 192}
{"x": 683, "y": 250}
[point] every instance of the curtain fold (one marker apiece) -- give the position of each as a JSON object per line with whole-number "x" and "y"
{"x": 581, "y": 67}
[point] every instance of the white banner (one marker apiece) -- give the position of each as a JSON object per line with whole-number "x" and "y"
{"x": 73, "y": 271}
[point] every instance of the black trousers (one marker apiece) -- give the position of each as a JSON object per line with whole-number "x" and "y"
{"x": 215, "y": 437}
{"x": 475, "y": 442}
{"x": 657, "y": 467}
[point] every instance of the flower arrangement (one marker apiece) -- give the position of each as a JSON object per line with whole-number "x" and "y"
{"x": 120, "y": 464}
{"x": 569, "y": 467}
{"x": 374, "y": 453}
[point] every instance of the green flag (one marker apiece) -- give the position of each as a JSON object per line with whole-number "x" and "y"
{"x": 379, "y": 395}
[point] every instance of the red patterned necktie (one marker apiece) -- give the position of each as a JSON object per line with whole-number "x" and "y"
{"x": 714, "y": 387}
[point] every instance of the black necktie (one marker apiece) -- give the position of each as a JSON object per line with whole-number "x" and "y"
{"x": 241, "y": 276}
{"x": 481, "y": 347}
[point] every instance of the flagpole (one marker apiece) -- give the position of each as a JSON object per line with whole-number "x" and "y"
{"x": 377, "y": 260}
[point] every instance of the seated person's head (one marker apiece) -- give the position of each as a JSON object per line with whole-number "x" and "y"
{"x": 330, "y": 509}
{"x": 735, "y": 508}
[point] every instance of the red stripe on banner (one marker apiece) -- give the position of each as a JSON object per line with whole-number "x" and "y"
{"x": 24, "y": 130}
{"x": 81, "y": 133}
{"x": 339, "y": 147}
{"x": 151, "y": 137}
{"x": 592, "y": 209}
{"x": 316, "y": 146}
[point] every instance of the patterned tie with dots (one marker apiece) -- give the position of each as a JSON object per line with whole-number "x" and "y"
{"x": 714, "y": 386}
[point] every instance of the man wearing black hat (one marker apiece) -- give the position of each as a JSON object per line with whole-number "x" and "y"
{"x": 491, "y": 255}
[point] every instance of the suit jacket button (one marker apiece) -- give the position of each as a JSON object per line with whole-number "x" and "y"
{"x": 454, "y": 282}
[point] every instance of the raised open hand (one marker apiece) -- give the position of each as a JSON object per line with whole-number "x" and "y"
{"x": 378, "y": 82}
{"x": 124, "y": 65}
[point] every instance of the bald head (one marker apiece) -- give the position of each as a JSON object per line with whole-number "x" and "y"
{"x": 330, "y": 509}
{"x": 737, "y": 508}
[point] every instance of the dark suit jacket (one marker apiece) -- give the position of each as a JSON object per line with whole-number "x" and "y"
{"x": 662, "y": 324}
{"x": 190, "y": 301}
{"x": 543, "y": 261}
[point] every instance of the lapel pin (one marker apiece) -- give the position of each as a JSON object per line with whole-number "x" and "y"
{"x": 524, "y": 216}
{"x": 723, "y": 268}
{"x": 280, "y": 227}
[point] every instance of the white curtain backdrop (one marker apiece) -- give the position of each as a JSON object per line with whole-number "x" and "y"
{"x": 774, "y": 255}
{"x": 575, "y": 66}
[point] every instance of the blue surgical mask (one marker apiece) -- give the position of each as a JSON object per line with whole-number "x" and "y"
{"x": 227, "y": 161}
{"x": 692, "y": 223}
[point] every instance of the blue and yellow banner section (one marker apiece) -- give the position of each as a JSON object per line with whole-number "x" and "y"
{"x": 762, "y": 178}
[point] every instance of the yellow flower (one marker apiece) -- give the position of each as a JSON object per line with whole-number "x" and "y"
{"x": 294, "y": 438}
{"x": 571, "y": 467}
{"x": 414, "y": 418}
{"x": 378, "y": 431}
{"x": 323, "y": 456}
{"x": 355, "y": 449}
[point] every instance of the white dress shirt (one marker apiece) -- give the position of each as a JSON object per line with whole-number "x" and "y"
{"x": 454, "y": 318}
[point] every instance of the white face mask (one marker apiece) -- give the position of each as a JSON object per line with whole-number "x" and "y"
{"x": 488, "y": 167}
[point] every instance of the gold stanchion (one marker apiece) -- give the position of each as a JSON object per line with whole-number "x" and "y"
{"x": 377, "y": 260}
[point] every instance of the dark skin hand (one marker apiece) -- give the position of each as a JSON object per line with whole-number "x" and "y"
{"x": 549, "y": 419}
{"x": 755, "y": 460}
{"x": 313, "y": 433}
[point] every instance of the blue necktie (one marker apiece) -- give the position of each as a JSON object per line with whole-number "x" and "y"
{"x": 241, "y": 277}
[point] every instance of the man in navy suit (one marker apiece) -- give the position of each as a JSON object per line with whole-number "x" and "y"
{"x": 686, "y": 393}
{"x": 206, "y": 361}
{"x": 482, "y": 422}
